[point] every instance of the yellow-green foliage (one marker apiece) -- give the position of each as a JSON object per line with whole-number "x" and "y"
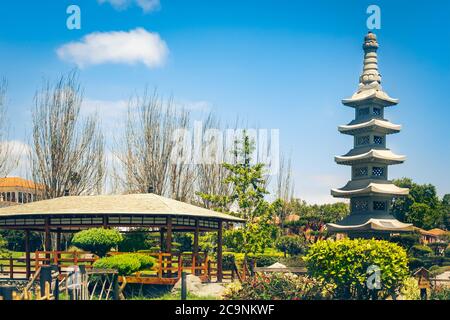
{"x": 410, "y": 289}
{"x": 345, "y": 263}
{"x": 126, "y": 264}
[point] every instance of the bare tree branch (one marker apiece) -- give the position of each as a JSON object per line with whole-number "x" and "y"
{"x": 8, "y": 161}
{"x": 68, "y": 152}
{"x": 146, "y": 149}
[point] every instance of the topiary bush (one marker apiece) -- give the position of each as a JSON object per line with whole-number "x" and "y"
{"x": 125, "y": 264}
{"x": 279, "y": 286}
{"x": 98, "y": 241}
{"x": 345, "y": 264}
{"x": 447, "y": 252}
{"x": 420, "y": 251}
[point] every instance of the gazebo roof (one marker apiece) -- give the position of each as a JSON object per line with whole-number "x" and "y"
{"x": 131, "y": 204}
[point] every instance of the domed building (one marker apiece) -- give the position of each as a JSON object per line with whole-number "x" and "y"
{"x": 14, "y": 191}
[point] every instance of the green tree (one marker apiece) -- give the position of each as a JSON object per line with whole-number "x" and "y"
{"x": 292, "y": 245}
{"x": 15, "y": 240}
{"x": 98, "y": 241}
{"x": 422, "y": 206}
{"x": 248, "y": 196}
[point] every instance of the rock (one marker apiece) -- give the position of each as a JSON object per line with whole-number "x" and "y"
{"x": 193, "y": 284}
{"x": 197, "y": 288}
{"x": 211, "y": 290}
{"x": 277, "y": 266}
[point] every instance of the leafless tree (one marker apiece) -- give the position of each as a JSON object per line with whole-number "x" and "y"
{"x": 285, "y": 183}
{"x": 285, "y": 189}
{"x": 150, "y": 146}
{"x": 211, "y": 174}
{"x": 68, "y": 151}
{"x": 7, "y": 161}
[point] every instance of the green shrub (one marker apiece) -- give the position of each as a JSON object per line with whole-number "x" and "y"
{"x": 447, "y": 252}
{"x": 420, "y": 251}
{"x": 406, "y": 240}
{"x": 98, "y": 241}
{"x": 279, "y": 286}
{"x": 293, "y": 262}
{"x": 440, "y": 293}
{"x": 125, "y": 264}
{"x": 146, "y": 261}
{"x": 345, "y": 264}
{"x": 263, "y": 259}
{"x": 292, "y": 245}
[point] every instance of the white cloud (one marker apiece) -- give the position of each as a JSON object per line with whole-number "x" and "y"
{"x": 135, "y": 46}
{"x": 145, "y": 5}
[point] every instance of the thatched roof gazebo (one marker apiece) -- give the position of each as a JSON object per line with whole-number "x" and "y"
{"x": 74, "y": 213}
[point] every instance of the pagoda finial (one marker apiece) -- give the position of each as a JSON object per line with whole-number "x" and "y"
{"x": 370, "y": 77}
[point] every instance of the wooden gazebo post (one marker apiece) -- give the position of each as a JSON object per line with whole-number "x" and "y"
{"x": 58, "y": 239}
{"x": 161, "y": 240}
{"x": 219, "y": 252}
{"x": 48, "y": 240}
{"x": 169, "y": 245}
{"x": 27, "y": 254}
{"x": 195, "y": 251}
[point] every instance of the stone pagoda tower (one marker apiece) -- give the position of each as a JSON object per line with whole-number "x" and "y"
{"x": 369, "y": 190}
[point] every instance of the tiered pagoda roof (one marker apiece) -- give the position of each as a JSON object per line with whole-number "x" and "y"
{"x": 370, "y": 192}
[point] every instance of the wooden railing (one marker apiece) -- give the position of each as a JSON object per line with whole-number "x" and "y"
{"x": 64, "y": 259}
{"x": 173, "y": 265}
{"x": 14, "y": 267}
{"x": 168, "y": 266}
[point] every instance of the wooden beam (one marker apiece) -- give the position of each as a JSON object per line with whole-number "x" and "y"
{"x": 27, "y": 254}
{"x": 219, "y": 252}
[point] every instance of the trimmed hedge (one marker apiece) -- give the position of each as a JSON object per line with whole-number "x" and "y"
{"x": 419, "y": 250}
{"x": 125, "y": 264}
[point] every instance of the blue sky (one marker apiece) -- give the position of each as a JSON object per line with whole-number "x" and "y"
{"x": 276, "y": 64}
